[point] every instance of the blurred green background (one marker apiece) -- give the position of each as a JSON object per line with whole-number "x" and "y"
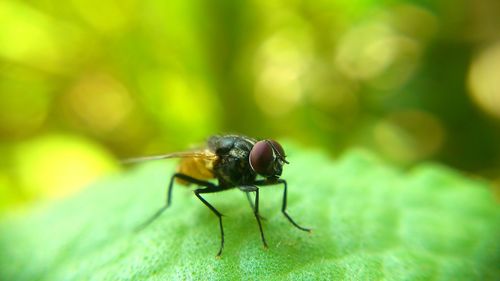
{"x": 84, "y": 83}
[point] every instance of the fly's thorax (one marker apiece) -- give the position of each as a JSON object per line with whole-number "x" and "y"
{"x": 232, "y": 167}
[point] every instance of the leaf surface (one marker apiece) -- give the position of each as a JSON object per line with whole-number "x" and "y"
{"x": 371, "y": 221}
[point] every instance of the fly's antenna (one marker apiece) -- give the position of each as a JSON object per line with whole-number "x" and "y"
{"x": 281, "y": 157}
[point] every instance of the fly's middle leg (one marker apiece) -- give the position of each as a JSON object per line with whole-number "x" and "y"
{"x": 252, "y": 188}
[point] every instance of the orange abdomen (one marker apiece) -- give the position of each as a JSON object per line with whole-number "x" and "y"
{"x": 198, "y": 168}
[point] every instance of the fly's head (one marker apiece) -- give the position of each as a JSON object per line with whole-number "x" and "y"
{"x": 267, "y": 158}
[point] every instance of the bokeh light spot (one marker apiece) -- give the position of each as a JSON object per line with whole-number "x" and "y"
{"x": 483, "y": 80}
{"x": 34, "y": 38}
{"x": 55, "y": 166}
{"x": 384, "y": 51}
{"x": 365, "y": 51}
{"x": 408, "y": 136}
{"x": 375, "y": 52}
{"x": 99, "y": 102}
{"x": 282, "y": 60}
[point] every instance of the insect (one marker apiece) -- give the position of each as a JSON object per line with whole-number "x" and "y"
{"x": 235, "y": 162}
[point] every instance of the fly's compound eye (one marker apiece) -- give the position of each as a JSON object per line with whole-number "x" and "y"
{"x": 262, "y": 158}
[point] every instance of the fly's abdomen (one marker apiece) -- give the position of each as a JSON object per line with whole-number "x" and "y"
{"x": 198, "y": 168}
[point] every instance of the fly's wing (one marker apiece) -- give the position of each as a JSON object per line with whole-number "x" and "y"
{"x": 198, "y": 154}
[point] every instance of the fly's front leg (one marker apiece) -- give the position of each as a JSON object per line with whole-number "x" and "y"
{"x": 283, "y": 206}
{"x": 251, "y": 188}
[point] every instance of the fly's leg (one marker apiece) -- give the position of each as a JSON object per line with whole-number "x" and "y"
{"x": 168, "y": 200}
{"x": 255, "y": 208}
{"x": 283, "y": 206}
{"x": 250, "y": 201}
{"x": 167, "y": 203}
{"x": 211, "y": 189}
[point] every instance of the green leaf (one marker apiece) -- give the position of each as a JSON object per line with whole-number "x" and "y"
{"x": 371, "y": 221}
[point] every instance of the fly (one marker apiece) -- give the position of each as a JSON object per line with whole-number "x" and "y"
{"x": 235, "y": 162}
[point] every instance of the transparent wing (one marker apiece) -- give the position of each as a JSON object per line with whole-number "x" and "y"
{"x": 206, "y": 154}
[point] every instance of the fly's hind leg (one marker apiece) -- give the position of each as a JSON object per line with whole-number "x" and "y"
{"x": 209, "y": 188}
{"x": 168, "y": 200}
